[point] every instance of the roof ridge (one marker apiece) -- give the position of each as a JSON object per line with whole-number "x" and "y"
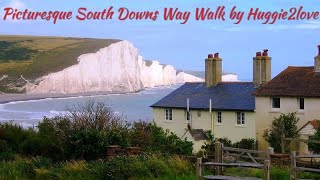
{"x": 301, "y": 66}
{"x": 294, "y": 81}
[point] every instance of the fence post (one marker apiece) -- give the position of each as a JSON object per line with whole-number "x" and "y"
{"x": 293, "y": 174}
{"x": 266, "y": 169}
{"x": 199, "y": 169}
{"x": 283, "y": 143}
{"x": 218, "y": 157}
{"x": 270, "y": 151}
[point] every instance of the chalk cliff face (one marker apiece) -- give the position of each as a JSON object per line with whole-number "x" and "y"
{"x": 116, "y": 68}
{"x": 111, "y": 69}
{"x": 154, "y": 74}
{"x": 229, "y": 77}
{"x": 185, "y": 77}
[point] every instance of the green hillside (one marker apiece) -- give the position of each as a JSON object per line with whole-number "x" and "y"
{"x": 33, "y": 57}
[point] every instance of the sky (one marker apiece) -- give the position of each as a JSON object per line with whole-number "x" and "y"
{"x": 185, "y": 46}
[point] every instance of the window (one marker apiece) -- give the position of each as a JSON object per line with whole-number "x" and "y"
{"x": 188, "y": 115}
{"x": 168, "y": 114}
{"x": 199, "y": 113}
{"x": 219, "y": 119}
{"x": 275, "y": 102}
{"x": 301, "y": 103}
{"x": 240, "y": 118}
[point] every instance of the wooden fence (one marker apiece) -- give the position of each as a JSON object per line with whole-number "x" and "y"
{"x": 295, "y": 169}
{"x": 236, "y": 154}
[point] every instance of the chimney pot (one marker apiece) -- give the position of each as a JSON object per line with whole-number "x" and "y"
{"x": 210, "y": 56}
{"x": 216, "y": 55}
{"x": 318, "y": 50}
{"x": 265, "y": 52}
{"x": 258, "y": 54}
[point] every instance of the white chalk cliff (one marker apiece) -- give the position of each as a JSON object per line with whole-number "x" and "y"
{"x": 116, "y": 68}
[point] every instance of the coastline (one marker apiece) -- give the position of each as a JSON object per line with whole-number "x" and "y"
{"x": 7, "y": 98}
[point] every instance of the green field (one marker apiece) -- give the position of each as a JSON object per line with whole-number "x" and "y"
{"x": 34, "y": 57}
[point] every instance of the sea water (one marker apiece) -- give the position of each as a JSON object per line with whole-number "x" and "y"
{"x": 133, "y": 106}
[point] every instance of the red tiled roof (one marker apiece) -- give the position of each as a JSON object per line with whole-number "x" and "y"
{"x": 315, "y": 124}
{"x": 293, "y": 81}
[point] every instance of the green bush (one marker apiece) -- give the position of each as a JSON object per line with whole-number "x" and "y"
{"x": 89, "y": 145}
{"x": 246, "y": 143}
{"x": 152, "y": 138}
{"x": 284, "y": 126}
{"x": 315, "y": 148}
{"x": 13, "y": 51}
{"x": 6, "y": 153}
{"x": 85, "y": 133}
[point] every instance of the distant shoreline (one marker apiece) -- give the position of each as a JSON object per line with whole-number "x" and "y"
{"x": 8, "y": 98}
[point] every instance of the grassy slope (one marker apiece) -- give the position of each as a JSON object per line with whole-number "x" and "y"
{"x": 53, "y": 54}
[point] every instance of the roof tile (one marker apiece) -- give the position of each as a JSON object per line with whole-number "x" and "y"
{"x": 293, "y": 81}
{"x": 224, "y": 96}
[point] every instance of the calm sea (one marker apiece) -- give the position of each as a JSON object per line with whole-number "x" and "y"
{"x": 135, "y": 106}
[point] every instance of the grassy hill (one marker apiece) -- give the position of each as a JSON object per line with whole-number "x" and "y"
{"x": 33, "y": 57}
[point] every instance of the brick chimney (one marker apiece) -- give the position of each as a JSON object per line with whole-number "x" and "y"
{"x": 261, "y": 68}
{"x": 317, "y": 61}
{"x": 213, "y": 71}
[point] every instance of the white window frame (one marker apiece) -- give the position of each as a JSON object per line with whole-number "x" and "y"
{"x": 188, "y": 116}
{"x": 240, "y": 118}
{"x": 219, "y": 117}
{"x": 168, "y": 114}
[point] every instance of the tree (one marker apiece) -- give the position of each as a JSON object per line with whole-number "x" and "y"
{"x": 282, "y": 127}
{"x": 315, "y": 148}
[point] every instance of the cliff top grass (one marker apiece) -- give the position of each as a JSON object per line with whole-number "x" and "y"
{"x": 33, "y": 56}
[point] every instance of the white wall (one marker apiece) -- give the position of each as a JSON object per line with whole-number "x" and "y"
{"x": 202, "y": 120}
{"x": 265, "y": 114}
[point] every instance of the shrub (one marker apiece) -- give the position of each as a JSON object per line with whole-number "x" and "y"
{"x": 246, "y": 143}
{"x": 209, "y": 145}
{"x": 226, "y": 141}
{"x": 315, "y": 148}
{"x": 89, "y": 145}
{"x": 6, "y": 153}
{"x": 85, "y": 133}
{"x": 152, "y": 138}
{"x": 282, "y": 127}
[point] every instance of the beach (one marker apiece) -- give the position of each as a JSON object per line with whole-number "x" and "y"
{"x": 31, "y": 108}
{"x": 7, "y": 98}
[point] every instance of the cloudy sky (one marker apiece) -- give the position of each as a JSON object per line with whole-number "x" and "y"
{"x": 186, "y": 46}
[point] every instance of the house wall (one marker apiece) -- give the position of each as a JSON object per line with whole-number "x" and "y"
{"x": 265, "y": 114}
{"x": 202, "y": 120}
{"x": 305, "y": 133}
{"x": 229, "y": 128}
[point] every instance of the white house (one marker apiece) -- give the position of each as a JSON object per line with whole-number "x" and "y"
{"x": 295, "y": 89}
{"x": 224, "y": 108}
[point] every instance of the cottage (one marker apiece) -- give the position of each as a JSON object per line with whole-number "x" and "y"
{"x": 224, "y": 108}
{"x": 296, "y": 89}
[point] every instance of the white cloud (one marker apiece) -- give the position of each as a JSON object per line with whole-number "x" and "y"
{"x": 16, "y": 4}
{"x": 277, "y": 27}
{"x": 309, "y": 25}
{"x": 312, "y": 25}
